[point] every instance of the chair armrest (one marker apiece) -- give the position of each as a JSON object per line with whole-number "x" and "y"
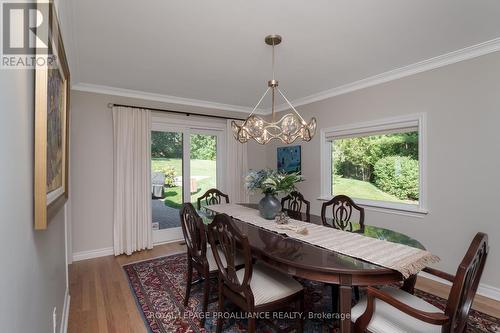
{"x": 440, "y": 274}
{"x": 361, "y": 324}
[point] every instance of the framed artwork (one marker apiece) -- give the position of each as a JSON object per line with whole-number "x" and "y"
{"x": 51, "y": 129}
{"x": 289, "y": 159}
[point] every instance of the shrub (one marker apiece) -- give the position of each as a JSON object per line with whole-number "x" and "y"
{"x": 169, "y": 175}
{"x": 398, "y": 175}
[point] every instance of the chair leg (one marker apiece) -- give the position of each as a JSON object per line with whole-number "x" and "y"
{"x": 220, "y": 320}
{"x": 302, "y": 314}
{"x": 335, "y": 303}
{"x": 189, "y": 281}
{"x": 251, "y": 325}
{"x": 206, "y": 290}
{"x": 409, "y": 284}
{"x": 335, "y": 298}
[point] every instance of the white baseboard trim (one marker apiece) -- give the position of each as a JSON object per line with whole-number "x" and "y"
{"x": 168, "y": 242}
{"x": 65, "y": 313}
{"x": 83, "y": 255}
{"x": 483, "y": 290}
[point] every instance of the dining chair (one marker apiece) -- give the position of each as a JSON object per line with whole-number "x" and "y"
{"x": 292, "y": 205}
{"x": 212, "y": 197}
{"x": 393, "y": 310}
{"x": 342, "y": 210}
{"x": 199, "y": 258}
{"x": 253, "y": 288}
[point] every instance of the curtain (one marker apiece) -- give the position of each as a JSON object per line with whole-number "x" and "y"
{"x": 132, "y": 183}
{"x": 237, "y": 167}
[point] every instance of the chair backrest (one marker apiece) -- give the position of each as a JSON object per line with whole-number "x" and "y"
{"x": 212, "y": 197}
{"x": 225, "y": 239}
{"x": 194, "y": 232}
{"x": 466, "y": 283}
{"x": 342, "y": 209}
{"x": 293, "y": 204}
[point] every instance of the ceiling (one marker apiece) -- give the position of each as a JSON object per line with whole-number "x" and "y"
{"x": 214, "y": 50}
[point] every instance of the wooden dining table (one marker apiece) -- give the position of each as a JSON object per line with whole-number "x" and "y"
{"x": 311, "y": 262}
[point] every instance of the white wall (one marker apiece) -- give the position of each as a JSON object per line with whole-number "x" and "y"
{"x": 92, "y": 167}
{"x": 33, "y": 268}
{"x": 462, "y": 102}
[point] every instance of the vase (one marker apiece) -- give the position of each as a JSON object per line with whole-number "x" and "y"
{"x": 269, "y": 206}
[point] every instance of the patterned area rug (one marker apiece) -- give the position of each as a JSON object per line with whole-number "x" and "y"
{"x": 159, "y": 284}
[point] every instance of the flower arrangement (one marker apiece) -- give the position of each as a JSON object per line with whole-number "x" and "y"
{"x": 272, "y": 181}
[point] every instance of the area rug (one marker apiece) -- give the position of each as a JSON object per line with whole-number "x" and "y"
{"x": 159, "y": 285}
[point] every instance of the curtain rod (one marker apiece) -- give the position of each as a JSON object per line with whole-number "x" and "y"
{"x": 110, "y": 105}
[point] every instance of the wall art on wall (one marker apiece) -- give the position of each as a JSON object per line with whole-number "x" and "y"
{"x": 51, "y": 128}
{"x": 289, "y": 159}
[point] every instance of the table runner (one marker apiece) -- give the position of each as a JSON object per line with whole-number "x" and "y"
{"x": 402, "y": 258}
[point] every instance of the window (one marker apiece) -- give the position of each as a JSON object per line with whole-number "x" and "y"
{"x": 378, "y": 164}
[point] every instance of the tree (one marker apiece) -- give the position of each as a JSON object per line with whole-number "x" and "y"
{"x": 356, "y": 157}
{"x": 203, "y": 147}
{"x": 355, "y": 154}
{"x": 166, "y": 144}
{"x": 169, "y": 145}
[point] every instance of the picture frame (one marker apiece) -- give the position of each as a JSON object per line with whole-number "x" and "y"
{"x": 51, "y": 137}
{"x": 289, "y": 159}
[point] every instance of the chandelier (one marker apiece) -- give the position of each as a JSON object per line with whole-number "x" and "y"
{"x": 288, "y": 128}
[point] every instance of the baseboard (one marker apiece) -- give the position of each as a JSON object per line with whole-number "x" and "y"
{"x": 65, "y": 313}
{"x": 107, "y": 251}
{"x": 169, "y": 242}
{"x": 483, "y": 290}
{"x": 83, "y": 255}
{"x": 489, "y": 291}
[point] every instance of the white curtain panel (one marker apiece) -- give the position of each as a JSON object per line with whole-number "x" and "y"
{"x": 237, "y": 167}
{"x": 132, "y": 181}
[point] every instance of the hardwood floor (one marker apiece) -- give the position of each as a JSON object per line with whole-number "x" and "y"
{"x": 481, "y": 303}
{"x": 101, "y": 300}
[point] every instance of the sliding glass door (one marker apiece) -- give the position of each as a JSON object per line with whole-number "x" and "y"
{"x": 202, "y": 164}
{"x": 166, "y": 179}
{"x": 184, "y": 165}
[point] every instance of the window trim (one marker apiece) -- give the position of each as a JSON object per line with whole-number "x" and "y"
{"x": 374, "y": 127}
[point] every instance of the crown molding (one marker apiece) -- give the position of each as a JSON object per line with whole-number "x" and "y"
{"x": 107, "y": 90}
{"x": 418, "y": 67}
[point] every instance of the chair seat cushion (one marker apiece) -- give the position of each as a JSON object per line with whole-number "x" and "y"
{"x": 212, "y": 264}
{"x": 269, "y": 285}
{"x": 388, "y": 319}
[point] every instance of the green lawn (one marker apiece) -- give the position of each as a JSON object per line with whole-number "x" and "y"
{"x": 363, "y": 190}
{"x": 173, "y": 195}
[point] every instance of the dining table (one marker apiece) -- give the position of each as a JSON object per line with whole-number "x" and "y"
{"x": 307, "y": 261}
